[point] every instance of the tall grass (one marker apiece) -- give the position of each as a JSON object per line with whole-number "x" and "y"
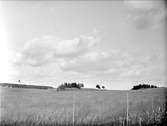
{"x": 143, "y": 119}
{"x": 81, "y": 108}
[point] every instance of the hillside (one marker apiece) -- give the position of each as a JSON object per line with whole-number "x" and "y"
{"x": 86, "y": 107}
{"x": 12, "y": 85}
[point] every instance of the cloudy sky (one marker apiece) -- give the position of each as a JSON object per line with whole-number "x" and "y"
{"x": 113, "y": 43}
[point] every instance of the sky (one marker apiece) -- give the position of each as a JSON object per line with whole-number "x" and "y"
{"x": 117, "y": 44}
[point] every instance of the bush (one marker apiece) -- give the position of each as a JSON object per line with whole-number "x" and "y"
{"x": 70, "y": 85}
{"x": 98, "y": 86}
{"x": 143, "y": 86}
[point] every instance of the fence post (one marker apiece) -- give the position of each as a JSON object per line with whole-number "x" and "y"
{"x": 73, "y": 111}
{"x": 152, "y": 104}
{"x": 102, "y": 110}
{"x": 127, "y": 108}
{"x": 139, "y": 121}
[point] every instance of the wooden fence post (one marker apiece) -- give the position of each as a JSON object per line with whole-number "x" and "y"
{"x": 152, "y": 104}
{"x": 73, "y": 111}
{"x": 127, "y": 108}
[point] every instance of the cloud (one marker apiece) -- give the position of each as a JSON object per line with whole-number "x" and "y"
{"x": 117, "y": 64}
{"x": 76, "y": 46}
{"x": 37, "y": 52}
{"x": 146, "y": 13}
{"x": 80, "y": 55}
{"x": 48, "y": 49}
{"x": 87, "y": 63}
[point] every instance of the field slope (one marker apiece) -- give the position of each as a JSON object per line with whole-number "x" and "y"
{"x": 25, "y": 107}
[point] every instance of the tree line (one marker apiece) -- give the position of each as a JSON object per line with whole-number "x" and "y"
{"x": 100, "y": 87}
{"x": 70, "y": 85}
{"x": 24, "y": 86}
{"x": 143, "y": 86}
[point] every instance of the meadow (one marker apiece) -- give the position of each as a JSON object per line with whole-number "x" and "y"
{"x": 34, "y": 107}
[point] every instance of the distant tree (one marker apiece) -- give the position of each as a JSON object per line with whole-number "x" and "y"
{"x": 61, "y": 87}
{"x": 66, "y": 84}
{"x": 80, "y": 85}
{"x": 98, "y": 86}
{"x": 143, "y": 86}
{"x": 74, "y": 85}
{"x": 70, "y": 85}
{"x": 103, "y": 87}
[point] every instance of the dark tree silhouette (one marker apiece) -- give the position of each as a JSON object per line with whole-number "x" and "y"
{"x": 103, "y": 87}
{"x": 143, "y": 86}
{"x": 70, "y": 85}
{"x": 98, "y": 86}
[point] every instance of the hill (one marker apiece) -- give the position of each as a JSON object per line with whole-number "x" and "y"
{"x": 12, "y": 85}
{"x": 21, "y": 106}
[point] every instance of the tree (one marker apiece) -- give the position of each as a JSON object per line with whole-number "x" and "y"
{"x": 70, "y": 85}
{"x": 98, "y": 86}
{"x": 103, "y": 87}
{"x": 74, "y": 85}
{"x": 143, "y": 86}
{"x": 80, "y": 85}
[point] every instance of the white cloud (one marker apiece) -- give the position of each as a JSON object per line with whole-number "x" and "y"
{"x": 37, "y": 51}
{"x": 117, "y": 64}
{"x": 89, "y": 62}
{"x": 48, "y": 49}
{"x": 146, "y": 13}
{"x": 144, "y": 4}
{"x": 80, "y": 55}
{"x": 76, "y": 46}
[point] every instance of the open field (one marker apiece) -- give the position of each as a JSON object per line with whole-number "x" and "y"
{"x": 33, "y": 107}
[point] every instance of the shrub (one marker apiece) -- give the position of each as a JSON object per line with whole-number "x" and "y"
{"x": 70, "y": 85}
{"x": 143, "y": 86}
{"x": 98, "y": 86}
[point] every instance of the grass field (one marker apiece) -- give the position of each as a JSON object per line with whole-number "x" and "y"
{"x": 33, "y": 107}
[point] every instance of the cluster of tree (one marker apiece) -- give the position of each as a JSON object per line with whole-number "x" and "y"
{"x": 70, "y": 85}
{"x": 24, "y": 86}
{"x": 98, "y": 87}
{"x": 143, "y": 86}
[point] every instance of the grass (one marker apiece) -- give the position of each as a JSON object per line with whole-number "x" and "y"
{"x": 33, "y": 107}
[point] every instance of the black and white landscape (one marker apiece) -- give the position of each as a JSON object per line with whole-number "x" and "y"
{"x": 83, "y": 63}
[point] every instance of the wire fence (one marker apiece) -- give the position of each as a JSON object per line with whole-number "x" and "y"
{"x": 102, "y": 107}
